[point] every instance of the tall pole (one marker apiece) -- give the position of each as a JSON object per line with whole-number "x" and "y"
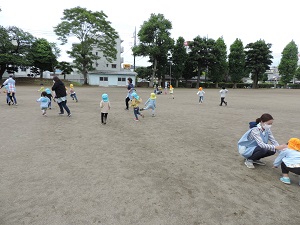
{"x": 170, "y": 72}
{"x": 134, "y": 44}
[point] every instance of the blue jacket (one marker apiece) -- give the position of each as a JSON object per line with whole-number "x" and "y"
{"x": 246, "y": 146}
{"x": 290, "y": 157}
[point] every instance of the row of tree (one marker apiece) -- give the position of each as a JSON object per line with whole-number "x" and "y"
{"x": 21, "y": 49}
{"x": 202, "y": 56}
{"x": 206, "y": 56}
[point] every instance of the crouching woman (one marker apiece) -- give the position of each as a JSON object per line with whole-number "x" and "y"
{"x": 258, "y": 142}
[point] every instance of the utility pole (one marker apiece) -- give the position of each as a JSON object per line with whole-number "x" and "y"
{"x": 134, "y": 44}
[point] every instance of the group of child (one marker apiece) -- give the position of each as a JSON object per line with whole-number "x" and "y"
{"x": 47, "y": 97}
{"x": 223, "y": 93}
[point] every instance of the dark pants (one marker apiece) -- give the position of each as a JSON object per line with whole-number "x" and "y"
{"x": 62, "y": 106}
{"x": 223, "y": 101}
{"x": 127, "y": 102}
{"x": 259, "y": 153}
{"x": 286, "y": 170}
{"x": 136, "y": 112}
{"x": 103, "y": 117}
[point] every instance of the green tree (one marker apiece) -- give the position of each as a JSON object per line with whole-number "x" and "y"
{"x": 41, "y": 56}
{"x": 288, "y": 63}
{"x": 190, "y": 69}
{"x": 65, "y": 68}
{"x": 92, "y": 30}
{"x": 144, "y": 72}
{"x": 258, "y": 59}
{"x": 155, "y": 41}
{"x": 236, "y": 62}
{"x": 220, "y": 66}
{"x": 14, "y": 47}
{"x": 297, "y": 75}
{"x": 179, "y": 58}
{"x": 202, "y": 52}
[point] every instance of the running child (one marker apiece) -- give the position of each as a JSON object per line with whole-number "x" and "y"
{"x": 50, "y": 96}
{"x": 172, "y": 91}
{"x": 44, "y": 101}
{"x": 223, "y": 93}
{"x": 136, "y": 100}
{"x": 200, "y": 93}
{"x": 150, "y": 104}
{"x": 104, "y": 106}
{"x": 72, "y": 93}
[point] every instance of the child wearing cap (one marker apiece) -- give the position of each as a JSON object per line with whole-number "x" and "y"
{"x": 172, "y": 91}
{"x": 136, "y": 100}
{"x": 200, "y": 93}
{"x": 72, "y": 93}
{"x": 104, "y": 106}
{"x": 50, "y": 96}
{"x": 42, "y": 88}
{"x": 44, "y": 100}
{"x": 150, "y": 104}
{"x": 289, "y": 159}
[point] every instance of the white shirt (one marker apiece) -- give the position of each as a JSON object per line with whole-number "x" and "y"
{"x": 223, "y": 93}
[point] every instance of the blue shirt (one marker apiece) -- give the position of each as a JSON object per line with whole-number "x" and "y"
{"x": 44, "y": 102}
{"x": 290, "y": 157}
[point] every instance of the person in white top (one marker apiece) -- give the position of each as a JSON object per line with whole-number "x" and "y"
{"x": 223, "y": 93}
{"x": 200, "y": 93}
{"x": 105, "y": 106}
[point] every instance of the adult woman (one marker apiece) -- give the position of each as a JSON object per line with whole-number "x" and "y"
{"x": 60, "y": 95}
{"x": 253, "y": 145}
{"x": 130, "y": 88}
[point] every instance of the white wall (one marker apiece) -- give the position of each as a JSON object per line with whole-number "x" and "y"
{"x": 94, "y": 79}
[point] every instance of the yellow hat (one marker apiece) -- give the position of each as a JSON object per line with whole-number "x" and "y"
{"x": 294, "y": 143}
{"x": 171, "y": 86}
{"x": 71, "y": 85}
{"x": 152, "y": 96}
{"x": 200, "y": 88}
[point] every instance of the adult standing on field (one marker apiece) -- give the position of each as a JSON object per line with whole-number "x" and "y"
{"x": 130, "y": 88}
{"x": 61, "y": 95}
{"x": 11, "y": 83}
{"x": 254, "y": 144}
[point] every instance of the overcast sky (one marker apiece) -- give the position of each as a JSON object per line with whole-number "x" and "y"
{"x": 276, "y": 22}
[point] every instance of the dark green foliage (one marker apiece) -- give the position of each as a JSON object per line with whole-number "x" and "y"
{"x": 236, "y": 61}
{"x": 258, "y": 59}
{"x": 288, "y": 63}
{"x": 93, "y": 31}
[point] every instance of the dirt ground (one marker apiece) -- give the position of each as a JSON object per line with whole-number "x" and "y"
{"x": 178, "y": 168}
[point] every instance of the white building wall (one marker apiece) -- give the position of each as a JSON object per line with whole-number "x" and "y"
{"x": 103, "y": 65}
{"x": 112, "y": 80}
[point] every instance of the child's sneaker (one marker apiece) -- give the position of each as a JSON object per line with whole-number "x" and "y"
{"x": 285, "y": 180}
{"x": 136, "y": 120}
{"x": 142, "y": 115}
{"x": 141, "y": 109}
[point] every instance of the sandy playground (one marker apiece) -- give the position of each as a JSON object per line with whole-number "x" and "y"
{"x": 178, "y": 168}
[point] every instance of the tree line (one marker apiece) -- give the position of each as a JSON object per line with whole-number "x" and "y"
{"x": 202, "y": 56}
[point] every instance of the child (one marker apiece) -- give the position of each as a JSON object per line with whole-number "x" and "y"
{"x": 9, "y": 99}
{"x": 151, "y": 103}
{"x": 49, "y": 95}
{"x": 105, "y": 106}
{"x": 72, "y": 93}
{"x": 289, "y": 159}
{"x": 44, "y": 100}
{"x": 172, "y": 91}
{"x": 200, "y": 93}
{"x": 136, "y": 100}
{"x": 42, "y": 88}
{"x": 223, "y": 95}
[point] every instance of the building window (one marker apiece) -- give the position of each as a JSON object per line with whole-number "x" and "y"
{"x": 103, "y": 78}
{"x": 114, "y": 66}
{"x": 121, "y": 79}
{"x": 23, "y": 68}
{"x": 96, "y": 53}
{"x": 106, "y": 65}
